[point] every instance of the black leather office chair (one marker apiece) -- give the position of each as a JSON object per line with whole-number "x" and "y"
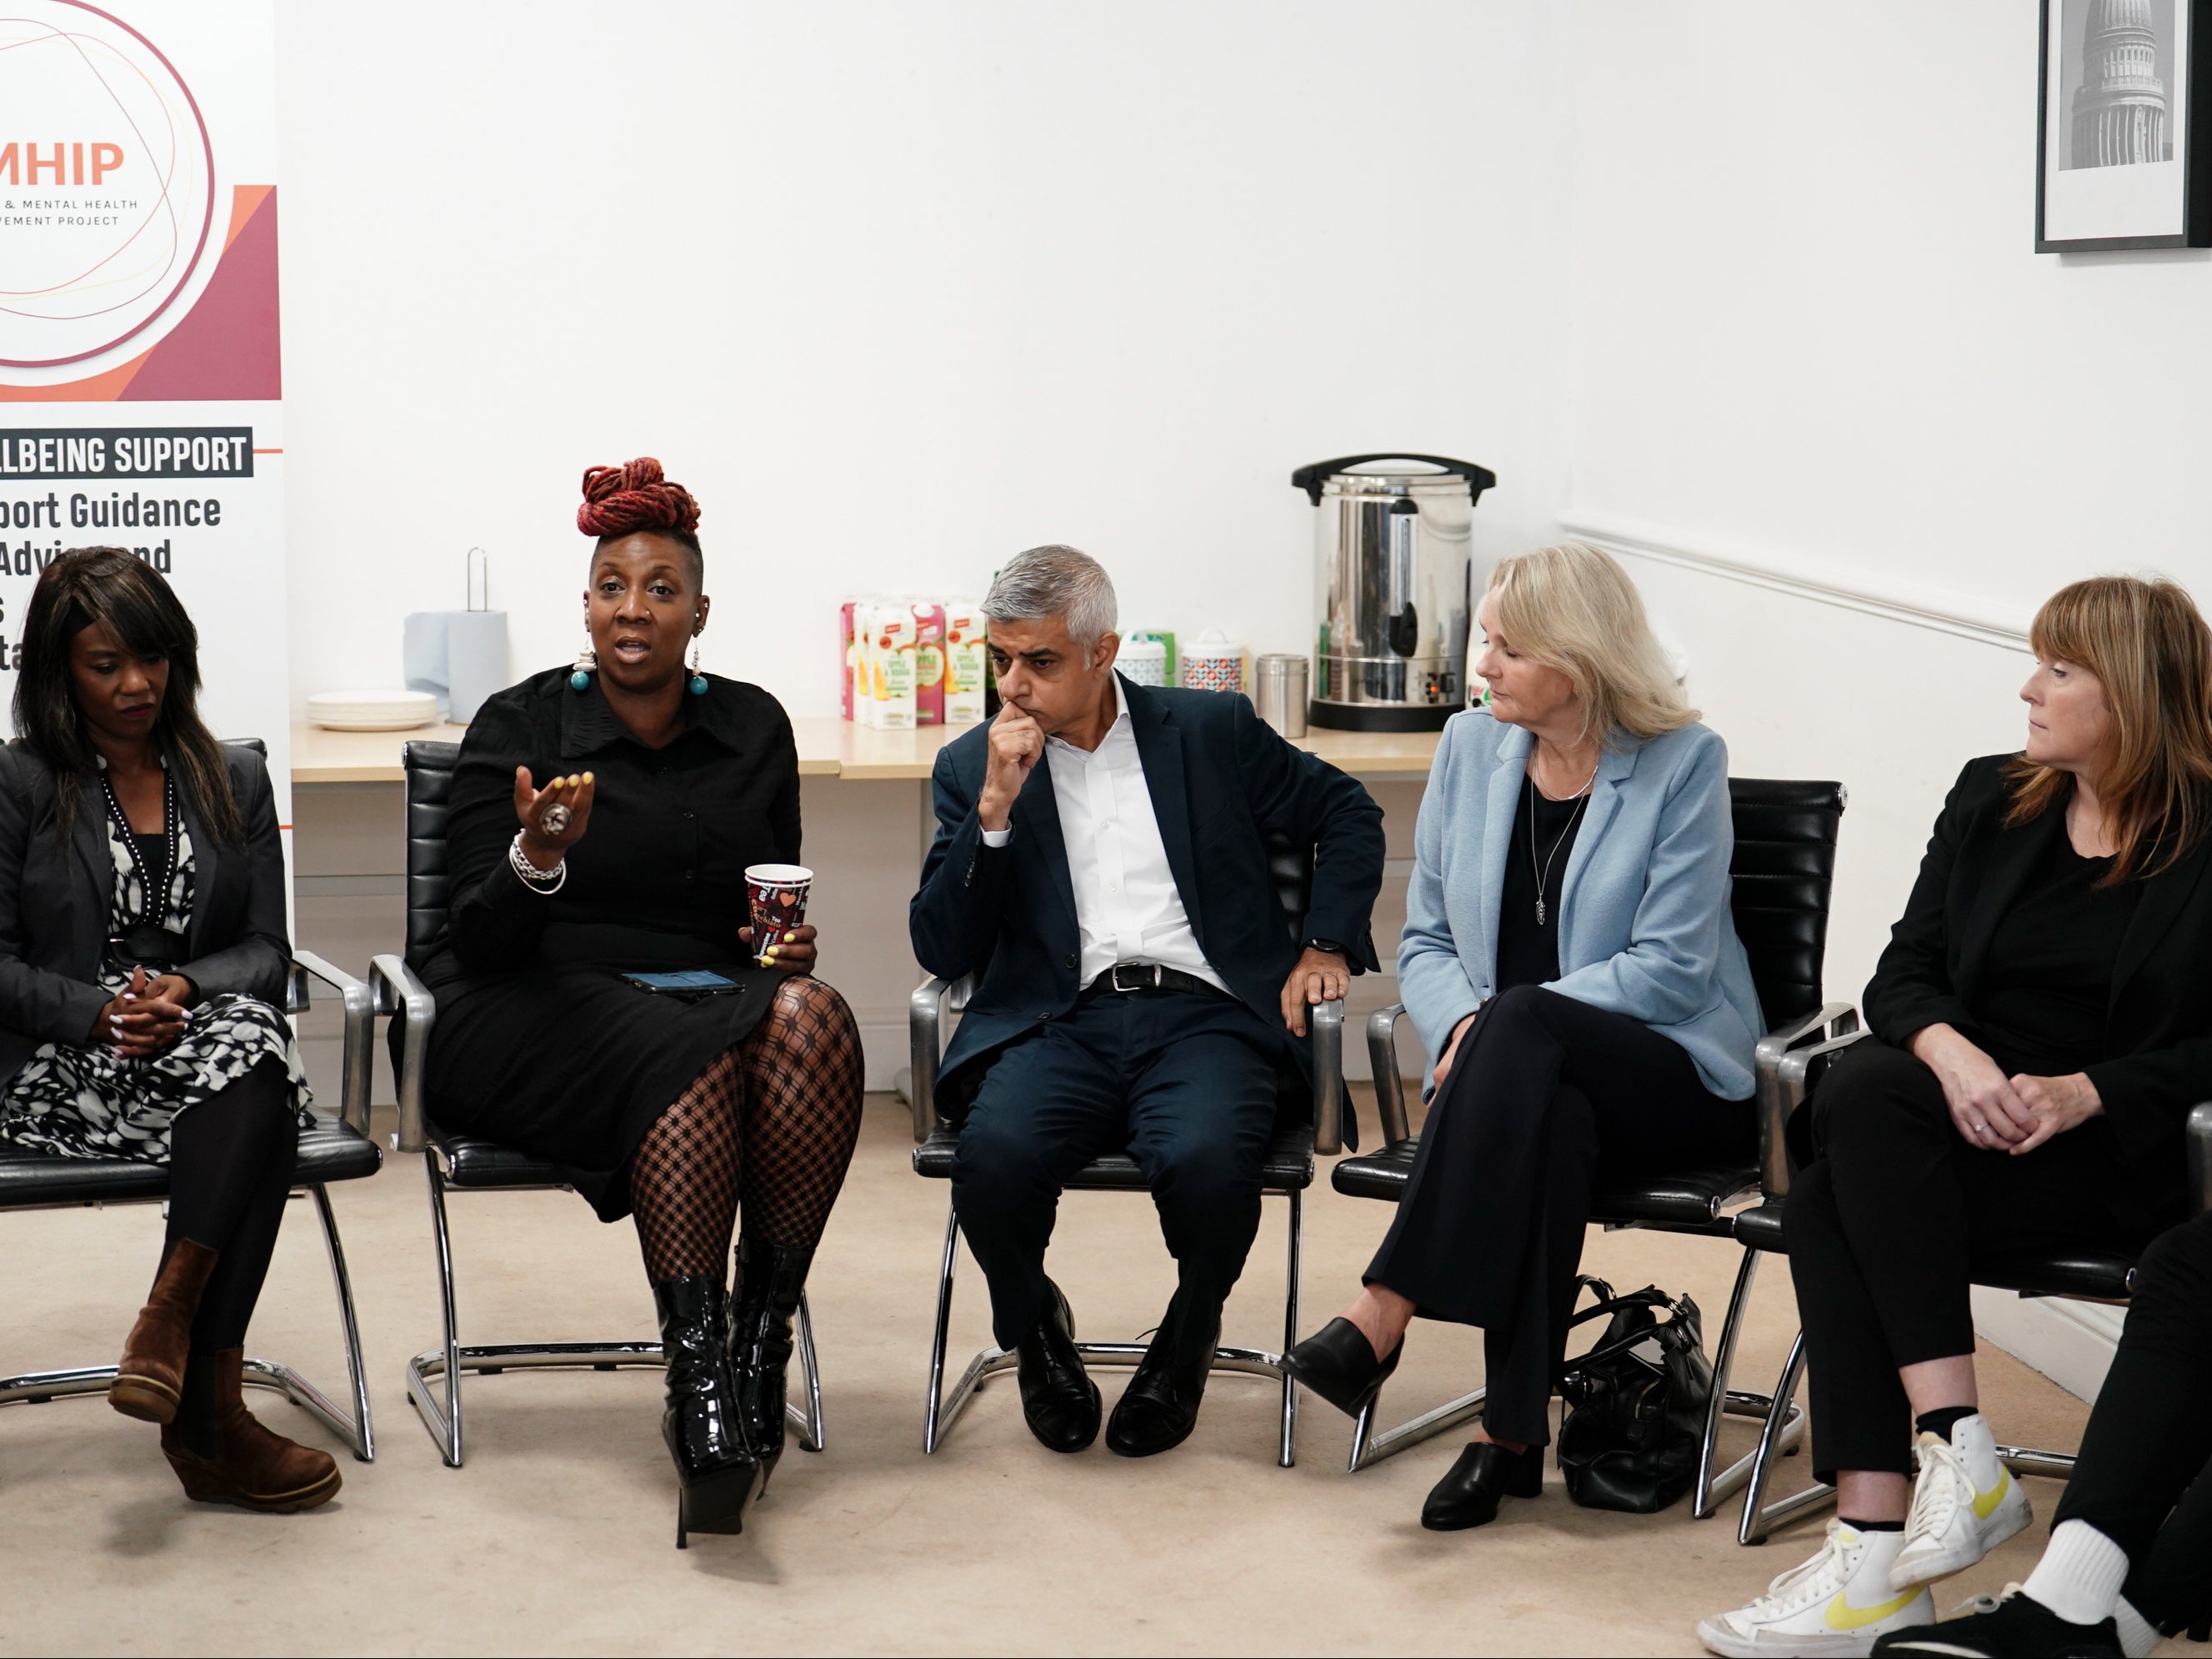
{"x": 2072, "y": 1275}
{"x": 471, "y": 1164}
{"x": 1287, "y": 1172}
{"x": 336, "y": 1147}
{"x": 1783, "y": 869}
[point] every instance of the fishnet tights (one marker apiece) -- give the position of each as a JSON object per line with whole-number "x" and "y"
{"x": 771, "y": 1121}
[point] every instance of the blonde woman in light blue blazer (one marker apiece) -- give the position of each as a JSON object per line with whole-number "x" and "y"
{"x": 1570, "y": 963}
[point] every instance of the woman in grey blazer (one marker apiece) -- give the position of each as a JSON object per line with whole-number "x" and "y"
{"x": 1571, "y": 963}
{"x": 142, "y": 955}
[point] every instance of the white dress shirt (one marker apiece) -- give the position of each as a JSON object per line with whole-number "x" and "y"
{"x": 1127, "y": 905}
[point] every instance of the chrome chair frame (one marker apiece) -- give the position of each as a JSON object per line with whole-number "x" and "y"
{"x": 926, "y": 1031}
{"x": 397, "y": 990}
{"x": 1712, "y": 1484}
{"x": 357, "y": 1428}
{"x": 1760, "y": 1516}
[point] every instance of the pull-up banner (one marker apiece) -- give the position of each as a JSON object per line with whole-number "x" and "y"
{"x": 140, "y": 374}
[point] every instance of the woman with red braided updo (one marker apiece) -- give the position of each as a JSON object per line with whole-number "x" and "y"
{"x": 602, "y": 819}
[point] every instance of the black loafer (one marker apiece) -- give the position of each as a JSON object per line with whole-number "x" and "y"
{"x": 1059, "y": 1401}
{"x": 1338, "y": 1362}
{"x": 1159, "y": 1408}
{"x": 1469, "y": 1495}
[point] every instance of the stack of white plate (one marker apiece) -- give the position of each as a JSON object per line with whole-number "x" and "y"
{"x": 372, "y": 711}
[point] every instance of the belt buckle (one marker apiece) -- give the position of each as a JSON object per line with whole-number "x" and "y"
{"x": 1114, "y": 976}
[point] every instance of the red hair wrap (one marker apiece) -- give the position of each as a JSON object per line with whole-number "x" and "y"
{"x": 625, "y": 501}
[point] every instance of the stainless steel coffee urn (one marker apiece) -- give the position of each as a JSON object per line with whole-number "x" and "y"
{"x": 1392, "y": 555}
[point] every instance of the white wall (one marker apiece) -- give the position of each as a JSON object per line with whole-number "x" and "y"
{"x": 1811, "y": 335}
{"x": 899, "y": 288}
{"x": 1813, "y": 348}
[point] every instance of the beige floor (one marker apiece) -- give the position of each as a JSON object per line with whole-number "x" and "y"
{"x": 557, "y": 1535}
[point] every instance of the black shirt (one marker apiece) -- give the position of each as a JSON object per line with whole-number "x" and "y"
{"x": 2041, "y": 1008}
{"x": 657, "y": 881}
{"x": 1528, "y": 950}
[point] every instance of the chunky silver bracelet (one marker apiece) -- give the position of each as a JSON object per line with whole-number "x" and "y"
{"x": 547, "y": 882}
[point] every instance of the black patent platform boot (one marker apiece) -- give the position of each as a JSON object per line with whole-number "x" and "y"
{"x": 718, "y": 1474}
{"x": 769, "y": 1279}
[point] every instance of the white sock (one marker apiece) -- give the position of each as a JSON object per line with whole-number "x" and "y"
{"x": 2080, "y": 1575}
{"x": 2138, "y": 1636}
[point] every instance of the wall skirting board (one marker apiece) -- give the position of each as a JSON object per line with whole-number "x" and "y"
{"x": 2069, "y": 1342}
{"x": 1873, "y": 593}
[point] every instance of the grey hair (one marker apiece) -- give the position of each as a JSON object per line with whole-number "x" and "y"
{"x": 1055, "y": 581}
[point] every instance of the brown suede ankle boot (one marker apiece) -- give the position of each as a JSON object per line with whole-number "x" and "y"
{"x": 149, "y": 1379}
{"x": 232, "y": 1459}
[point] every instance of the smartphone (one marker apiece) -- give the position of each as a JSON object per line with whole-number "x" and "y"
{"x": 689, "y": 982}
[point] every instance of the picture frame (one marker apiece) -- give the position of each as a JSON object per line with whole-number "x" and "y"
{"x": 2122, "y": 112}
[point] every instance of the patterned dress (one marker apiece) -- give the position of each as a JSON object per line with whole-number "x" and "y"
{"x": 86, "y": 1101}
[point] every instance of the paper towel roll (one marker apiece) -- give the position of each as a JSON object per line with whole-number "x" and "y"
{"x": 460, "y": 656}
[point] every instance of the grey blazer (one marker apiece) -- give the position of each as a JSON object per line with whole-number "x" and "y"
{"x": 55, "y": 895}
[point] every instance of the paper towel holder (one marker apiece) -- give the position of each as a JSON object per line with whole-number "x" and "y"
{"x": 479, "y": 580}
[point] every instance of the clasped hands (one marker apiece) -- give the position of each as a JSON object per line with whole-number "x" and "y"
{"x": 146, "y": 1017}
{"x": 1996, "y": 1112}
{"x": 545, "y": 848}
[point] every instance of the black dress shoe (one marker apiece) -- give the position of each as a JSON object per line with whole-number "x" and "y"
{"x": 1159, "y": 1408}
{"x": 1469, "y": 1496}
{"x": 1059, "y": 1399}
{"x": 1338, "y": 1362}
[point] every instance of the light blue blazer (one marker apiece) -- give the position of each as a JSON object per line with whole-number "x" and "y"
{"x": 1644, "y": 927}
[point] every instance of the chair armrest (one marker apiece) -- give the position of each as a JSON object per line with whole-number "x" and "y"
{"x": 2200, "y": 1157}
{"x": 925, "y": 1030}
{"x": 1383, "y": 1061}
{"x": 399, "y": 992}
{"x": 1782, "y": 1067}
{"x": 1325, "y": 1020}
{"x": 360, "y": 1032}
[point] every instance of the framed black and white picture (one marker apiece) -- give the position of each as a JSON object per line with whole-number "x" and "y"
{"x": 2120, "y": 151}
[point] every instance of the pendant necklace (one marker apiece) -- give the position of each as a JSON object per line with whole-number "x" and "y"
{"x": 1543, "y": 871}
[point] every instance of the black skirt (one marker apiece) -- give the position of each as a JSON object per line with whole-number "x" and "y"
{"x": 574, "y": 1065}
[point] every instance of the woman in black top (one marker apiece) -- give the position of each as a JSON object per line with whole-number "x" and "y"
{"x": 2042, "y": 1023}
{"x": 143, "y": 956}
{"x": 602, "y": 821}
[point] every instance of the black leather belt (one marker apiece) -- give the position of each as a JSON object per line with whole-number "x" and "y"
{"x": 1130, "y": 977}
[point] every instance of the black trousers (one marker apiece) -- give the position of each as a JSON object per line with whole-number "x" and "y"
{"x": 231, "y": 1157}
{"x": 2141, "y": 1478}
{"x": 1544, "y": 1091}
{"x": 1886, "y": 1227}
{"x": 1184, "y": 1080}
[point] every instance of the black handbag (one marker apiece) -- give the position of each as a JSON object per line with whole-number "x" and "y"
{"x": 1636, "y": 1402}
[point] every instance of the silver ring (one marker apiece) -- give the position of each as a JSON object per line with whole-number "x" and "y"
{"x": 554, "y": 820}
{"x": 1979, "y": 1128}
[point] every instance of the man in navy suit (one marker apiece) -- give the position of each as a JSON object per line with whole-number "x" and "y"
{"x": 1101, "y": 864}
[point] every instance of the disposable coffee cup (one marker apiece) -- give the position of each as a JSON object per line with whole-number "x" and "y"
{"x": 777, "y": 894}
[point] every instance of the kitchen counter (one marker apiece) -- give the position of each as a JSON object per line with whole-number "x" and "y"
{"x": 832, "y": 748}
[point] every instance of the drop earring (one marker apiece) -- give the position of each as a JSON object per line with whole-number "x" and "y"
{"x": 587, "y": 663}
{"x": 698, "y": 680}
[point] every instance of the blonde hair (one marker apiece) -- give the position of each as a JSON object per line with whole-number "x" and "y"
{"x": 2149, "y": 647}
{"x": 1571, "y": 607}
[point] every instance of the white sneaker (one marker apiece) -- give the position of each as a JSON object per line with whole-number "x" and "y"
{"x": 1964, "y": 1505}
{"x": 1838, "y": 1602}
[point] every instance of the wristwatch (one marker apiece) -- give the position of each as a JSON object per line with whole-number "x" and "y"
{"x": 1330, "y": 946}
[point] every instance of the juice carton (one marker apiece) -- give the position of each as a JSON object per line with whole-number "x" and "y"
{"x": 965, "y": 660}
{"x": 928, "y": 662}
{"x": 848, "y": 655}
{"x": 889, "y": 660}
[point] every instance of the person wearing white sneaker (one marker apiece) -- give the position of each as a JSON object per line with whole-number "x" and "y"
{"x": 1840, "y": 1602}
{"x": 2128, "y": 1560}
{"x": 2040, "y": 1025}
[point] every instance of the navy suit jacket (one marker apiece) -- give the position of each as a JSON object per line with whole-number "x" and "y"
{"x": 1220, "y": 782}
